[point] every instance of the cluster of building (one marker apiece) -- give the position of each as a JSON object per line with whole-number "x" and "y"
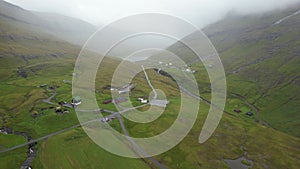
{"x": 62, "y": 106}
{"x": 190, "y": 70}
{"x": 165, "y": 63}
{"x": 186, "y": 68}
{"x": 61, "y": 110}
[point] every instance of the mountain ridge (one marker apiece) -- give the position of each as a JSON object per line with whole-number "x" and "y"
{"x": 66, "y": 28}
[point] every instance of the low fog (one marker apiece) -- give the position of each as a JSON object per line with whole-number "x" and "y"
{"x": 199, "y": 12}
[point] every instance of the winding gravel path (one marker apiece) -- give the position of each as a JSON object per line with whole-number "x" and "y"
{"x": 149, "y": 82}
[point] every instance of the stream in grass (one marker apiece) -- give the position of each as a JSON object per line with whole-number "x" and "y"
{"x": 240, "y": 163}
{"x": 31, "y": 149}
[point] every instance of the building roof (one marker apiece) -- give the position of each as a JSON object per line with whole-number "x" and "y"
{"x": 77, "y": 99}
{"x": 160, "y": 103}
{"x": 249, "y": 113}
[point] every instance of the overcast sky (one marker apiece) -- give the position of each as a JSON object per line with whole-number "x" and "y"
{"x": 199, "y": 12}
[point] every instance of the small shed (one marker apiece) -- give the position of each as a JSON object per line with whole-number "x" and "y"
{"x": 107, "y": 101}
{"x": 43, "y": 85}
{"x": 237, "y": 111}
{"x": 249, "y": 113}
{"x": 76, "y": 101}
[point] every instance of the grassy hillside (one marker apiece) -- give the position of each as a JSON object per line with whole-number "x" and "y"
{"x": 65, "y": 28}
{"x": 262, "y": 58}
{"x": 30, "y": 57}
{"x": 74, "y": 149}
{"x": 237, "y": 135}
{"x": 261, "y": 63}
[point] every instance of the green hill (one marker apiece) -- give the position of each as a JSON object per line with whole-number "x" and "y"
{"x": 261, "y": 61}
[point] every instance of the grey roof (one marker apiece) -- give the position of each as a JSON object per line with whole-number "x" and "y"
{"x": 77, "y": 99}
{"x": 160, "y": 103}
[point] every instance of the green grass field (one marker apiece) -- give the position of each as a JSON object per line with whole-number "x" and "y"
{"x": 74, "y": 149}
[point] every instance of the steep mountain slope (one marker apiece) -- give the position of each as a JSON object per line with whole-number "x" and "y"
{"x": 73, "y": 30}
{"x": 261, "y": 57}
{"x": 66, "y": 28}
{"x": 265, "y": 56}
{"x": 27, "y": 58}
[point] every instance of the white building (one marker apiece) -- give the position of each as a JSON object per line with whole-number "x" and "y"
{"x": 144, "y": 101}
